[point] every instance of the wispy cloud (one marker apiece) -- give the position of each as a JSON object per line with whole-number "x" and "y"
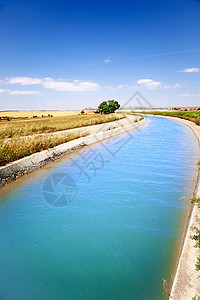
{"x": 189, "y": 70}
{"x": 149, "y": 84}
{"x": 121, "y": 86}
{"x": 167, "y": 53}
{"x": 169, "y": 86}
{"x": 50, "y": 83}
{"x": 107, "y": 60}
{"x": 190, "y": 95}
{"x": 10, "y": 92}
{"x": 108, "y": 87}
{"x": 24, "y": 92}
{"x": 23, "y": 80}
{"x": 2, "y": 91}
{"x": 66, "y": 86}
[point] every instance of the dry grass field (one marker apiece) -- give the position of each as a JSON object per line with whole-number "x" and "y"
{"x": 18, "y": 128}
{"x": 38, "y": 113}
{"x": 16, "y": 148}
{"x": 20, "y": 138}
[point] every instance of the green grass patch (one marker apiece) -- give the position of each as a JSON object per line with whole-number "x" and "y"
{"x": 192, "y": 115}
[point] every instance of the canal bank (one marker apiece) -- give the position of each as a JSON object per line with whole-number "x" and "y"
{"x": 186, "y": 283}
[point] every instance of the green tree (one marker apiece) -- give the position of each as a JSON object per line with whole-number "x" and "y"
{"x": 103, "y": 108}
{"x": 107, "y": 107}
{"x": 113, "y": 105}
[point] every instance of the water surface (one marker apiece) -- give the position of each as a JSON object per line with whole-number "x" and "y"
{"x": 118, "y": 238}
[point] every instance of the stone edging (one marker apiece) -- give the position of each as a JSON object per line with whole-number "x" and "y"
{"x": 186, "y": 281}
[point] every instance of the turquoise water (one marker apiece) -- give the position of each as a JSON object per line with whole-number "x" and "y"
{"x": 118, "y": 238}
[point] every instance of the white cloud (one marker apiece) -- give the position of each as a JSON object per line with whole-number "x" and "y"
{"x": 2, "y": 91}
{"x": 107, "y": 60}
{"x": 176, "y": 85}
{"x": 189, "y": 70}
{"x": 190, "y": 95}
{"x": 24, "y": 93}
{"x": 66, "y": 86}
{"x": 121, "y": 86}
{"x": 23, "y": 80}
{"x": 9, "y": 92}
{"x": 149, "y": 84}
{"x": 50, "y": 83}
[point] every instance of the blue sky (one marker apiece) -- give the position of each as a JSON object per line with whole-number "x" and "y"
{"x": 74, "y": 54}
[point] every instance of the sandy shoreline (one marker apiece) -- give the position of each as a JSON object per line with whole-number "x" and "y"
{"x": 186, "y": 284}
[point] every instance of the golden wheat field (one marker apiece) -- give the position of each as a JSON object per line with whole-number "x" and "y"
{"x": 38, "y": 113}
{"x": 25, "y": 127}
{"x": 20, "y": 138}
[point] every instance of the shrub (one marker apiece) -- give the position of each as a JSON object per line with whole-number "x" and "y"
{"x": 196, "y": 201}
{"x": 198, "y": 264}
{"x": 196, "y": 237}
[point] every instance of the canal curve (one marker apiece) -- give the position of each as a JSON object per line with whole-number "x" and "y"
{"x": 102, "y": 223}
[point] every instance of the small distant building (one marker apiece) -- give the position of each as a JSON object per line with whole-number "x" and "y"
{"x": 89, "y": 110}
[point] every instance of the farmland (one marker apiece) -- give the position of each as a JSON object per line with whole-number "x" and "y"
{"x": 38, "y": 113}
{"x": 21, "y": 138}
